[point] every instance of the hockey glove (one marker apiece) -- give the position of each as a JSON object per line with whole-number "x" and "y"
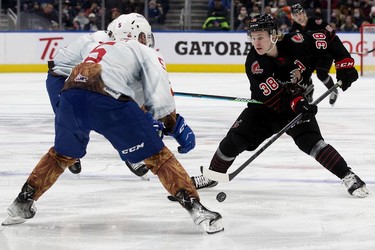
{"x": 346, "y": 72}
{"x": 301, "y": 106}
{"x": 183, "y": 135}
{"x": 158, "y": 125}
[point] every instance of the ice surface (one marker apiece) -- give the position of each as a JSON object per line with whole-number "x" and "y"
{"x": 283, "y": 200}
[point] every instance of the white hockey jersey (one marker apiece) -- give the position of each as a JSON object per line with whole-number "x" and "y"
{"x": 73, "y": 54}
{"x": 133, "y": 69}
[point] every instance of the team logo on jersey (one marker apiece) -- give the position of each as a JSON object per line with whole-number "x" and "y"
{"x": 236, "y": 124}
{"x": 80, "y": 78}
{"x": 297, "y": 38}
{"x": 255, "y": 68}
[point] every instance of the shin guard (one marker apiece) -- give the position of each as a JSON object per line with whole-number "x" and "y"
{"x": 171, "y": 173}
{"x": 47, "y": 171}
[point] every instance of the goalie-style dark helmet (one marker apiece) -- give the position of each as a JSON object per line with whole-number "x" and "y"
{"x": 263, "y": 22}
{"x": 296, "y": 8}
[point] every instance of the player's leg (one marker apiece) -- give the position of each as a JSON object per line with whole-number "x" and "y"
{"x": 70, "y": 144}
{"x": 178, "y": 183}
{"x": 54, "y": 86}
{"x": 308, "y": 138}
{"x": 135, "y": 138}
{"x": 44, "y": 175}
{"x": 251, "y": 128}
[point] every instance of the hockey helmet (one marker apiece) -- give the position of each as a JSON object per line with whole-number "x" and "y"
{"x": 263, "y": 22}
{"x": 296, "y": 8}
{"x": 111, "y": 28}
{"x": 131, "y": 26}
{"x": 101, "y": 36}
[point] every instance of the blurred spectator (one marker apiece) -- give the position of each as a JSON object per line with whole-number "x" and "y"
{"x": 349, "y": 26}
{"x": 54, "y": 26}
{"x": 358, "y": 17}
{"x": 217, "y": 17}
{"x": 81, "y": 19}
{"x": 76, "y": 25}
{"x": 365, "y": 6}
{"x": 67, "y": 15}
{"x": 244, "y": 24}
{"x": 115, "y": 13}
{"x": 255, "y": 10}
{"x": 92, "y": 25}
{"x": 268, "y": 10}
{"x": 48, "y": 14}
{"x": 372, "y": 15}
{"x": 241, "y": 16}
{"x": 284, "y": 16}
{"x": 164, "y": 6}
{"x": 237, "y": 5}
{"x": 155, "y": 13}
{"x": 95, "y": 9}
{"x": 337, "y": 17}
{"x": 225, "y": 3}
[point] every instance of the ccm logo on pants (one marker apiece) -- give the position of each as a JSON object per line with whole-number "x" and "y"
{"x": 132, "y": 149}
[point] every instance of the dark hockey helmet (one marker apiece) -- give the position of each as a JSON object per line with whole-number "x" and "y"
{"x": 296, "y": 8}
{"x": 263, "y": 22}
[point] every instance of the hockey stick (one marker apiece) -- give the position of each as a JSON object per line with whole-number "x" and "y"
{"x": 363, "y": 53}
{"x": 225, "y": 177}
{"x": 218, "y": 97}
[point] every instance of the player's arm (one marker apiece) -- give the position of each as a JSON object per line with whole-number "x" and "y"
{"x": 160, "y": 101}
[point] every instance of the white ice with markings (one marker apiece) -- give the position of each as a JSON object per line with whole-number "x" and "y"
{"x": 283, "y": 200}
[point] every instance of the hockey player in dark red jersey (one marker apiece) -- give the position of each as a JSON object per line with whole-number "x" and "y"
{"x": 279, "y": 70}
{"x": 303, "y": 23}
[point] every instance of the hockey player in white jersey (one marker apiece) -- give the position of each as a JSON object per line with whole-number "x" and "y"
{"x": 60, "y": 68}
{"x": 101, "y": 94}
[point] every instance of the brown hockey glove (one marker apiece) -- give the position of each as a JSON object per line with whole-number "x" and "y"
{"x": 346, "y": 72}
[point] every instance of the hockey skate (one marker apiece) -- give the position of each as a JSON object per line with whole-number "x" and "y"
{"x": 76, "y": 167}
{"x": 22, "y": 208}
{"x": 333, "y": 97}
{"x": 355, "y": 185}
{"x": 139, "y": 169}
{"x": 201, "y": 181}
{"x": 208, "y": 220}
{"x": 19, "y": 212}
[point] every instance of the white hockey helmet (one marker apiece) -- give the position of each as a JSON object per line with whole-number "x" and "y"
{"x": 101, "y": 36}
{"x": 130, "y": 26}
{"x": 111, "y": 28}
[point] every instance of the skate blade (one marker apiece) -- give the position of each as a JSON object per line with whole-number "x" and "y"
{"x": 361, "y": 192}
{"x": 212, "y": 226}
{"x": 145, "y": 177}
{"x": 13, "y": 221}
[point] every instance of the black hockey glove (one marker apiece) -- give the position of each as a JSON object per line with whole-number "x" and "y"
{"x": 301, "y": 106}
{"x": 346, "y": 72}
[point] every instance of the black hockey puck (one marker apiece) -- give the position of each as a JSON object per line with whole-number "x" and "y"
{"x": 220, "y": 197}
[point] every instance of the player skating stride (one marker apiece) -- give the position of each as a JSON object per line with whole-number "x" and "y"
{"x": 278, "y": 67}
{"x": 102, "y": 94}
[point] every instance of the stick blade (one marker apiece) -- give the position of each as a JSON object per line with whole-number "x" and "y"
{"x": 215, "y": 176}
